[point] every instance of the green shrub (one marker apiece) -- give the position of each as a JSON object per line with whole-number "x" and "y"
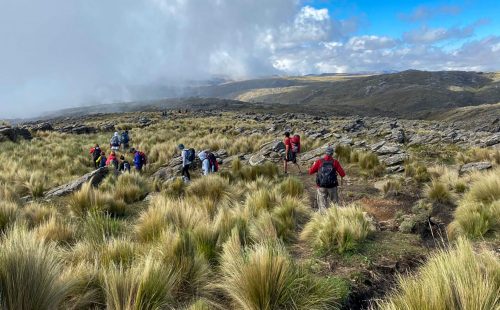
{"x": 456, "y": 278}
{"x": 339, "y": 229}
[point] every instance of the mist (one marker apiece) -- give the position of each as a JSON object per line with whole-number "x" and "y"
{"x": 59, "y": 53}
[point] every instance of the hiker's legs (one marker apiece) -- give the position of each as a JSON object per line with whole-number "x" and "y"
{"x": 285, "y": 165}
{"x": 185, "y": 172}
{"x": 334, "y": 195}
{"x": 322, "y": 198}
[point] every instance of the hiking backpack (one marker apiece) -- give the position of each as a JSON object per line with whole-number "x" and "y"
{"x": 96, "y": 152}
{"x": 191, "y": 154}
{"x": 115, "y": 163}
{"x": 295, "y": 140}
{"x": 125, "y": 138}
{"x": 115, "y": 141}
{"x": 214, "y": 165}
{"x": 327, "y": 174}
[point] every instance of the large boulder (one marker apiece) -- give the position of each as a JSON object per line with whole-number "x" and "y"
{"x": 257, "y": 159}
{"x": 395, "y": 159}
{"x": 476, "y": 166}
{"x": 95, "y": 177}
{"x": 388, "y": 149}
{"x": 14, "y": 133}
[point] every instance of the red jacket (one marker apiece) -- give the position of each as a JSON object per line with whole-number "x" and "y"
{"x": 317, "y": 164}
{"x": 110, "y": 159}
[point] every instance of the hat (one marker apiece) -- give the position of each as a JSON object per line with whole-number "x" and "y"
{"x": 181, "y": 146}
{"x": 122, "y": 157}
{"x": 329, "y": 150}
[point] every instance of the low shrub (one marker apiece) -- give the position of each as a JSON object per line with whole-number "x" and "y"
{"x": 250, "y": 173}
{"x": 290, "y": 214}
{"x": 456, "y": 278}
{"x": 339, "y": 229}
{"x": 36, "y": 184}
{"x": 392, "y": 187}
{"x": 486, "y": 188}
{"x": 56, "y": 230}
{"x": 418, "y": 172}
{"x": 99, "y": 227}
{"x": 131, "y": 187}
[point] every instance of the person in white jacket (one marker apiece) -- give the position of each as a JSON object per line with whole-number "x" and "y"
{"x": 205, "y": 163}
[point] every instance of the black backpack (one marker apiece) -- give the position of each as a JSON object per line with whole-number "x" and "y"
{"x": 214, "y": 165}
{"x": 191, "y": 155}
{"x": 327, "y": 175}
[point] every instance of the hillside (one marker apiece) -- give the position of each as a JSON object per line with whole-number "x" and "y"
{"x": 409, "y": 94}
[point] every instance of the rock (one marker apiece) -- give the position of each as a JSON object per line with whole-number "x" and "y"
{"x": 346, "y": 141}
{"x": 45, "y": 126}
{"x": 144, "y": 122}
{"x": 108, "y": 127}
{"x": 376, "y": 146}
{"x": 397, "y": 135}
{"x": 395, "y": 159}
{"x": 278, "y": 146}
{"x": 492, "y": 140}
{"x": 477, "y": 166}
{"x": 388, "y": 149}
{"x": 257, "y": 159}
{"x": 394, "y": 169}
{"x": 13, "y": 133}
{"x": 78, "y": 129}
{"x": 95, "y": 177}
{"x": 357, "y": 125}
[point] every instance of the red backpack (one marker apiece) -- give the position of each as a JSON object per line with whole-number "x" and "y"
{"x": 295, "y": 140}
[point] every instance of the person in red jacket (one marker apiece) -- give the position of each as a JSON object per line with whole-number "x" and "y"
{"x": 112, "y": 160}
{"x": 95, "y": 152}
{"x": 290, "y": 154}
{"x": 326, "y": 170}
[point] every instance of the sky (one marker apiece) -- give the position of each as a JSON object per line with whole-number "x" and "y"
{"x": 59, "y": 53}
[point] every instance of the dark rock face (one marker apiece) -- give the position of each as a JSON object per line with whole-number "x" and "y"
{"x": 356, "y": 126}
{"x": 95, "y": 177}
{"x": 14, "y": 133}
{"x": 44, "y": 126}
{"x": 78, "y": 129}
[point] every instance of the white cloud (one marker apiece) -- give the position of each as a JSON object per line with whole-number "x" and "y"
{"x": 60, "y": 53}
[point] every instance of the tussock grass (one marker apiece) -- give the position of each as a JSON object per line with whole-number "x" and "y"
{"x": 417, "y": 171}
{"x": 250, "y": 173}
{"x": 34, "y": 214}
{"x": 90, "y": 199}
{"x": 30, "y": 273}
{"x": 8, "y": 214}
{"x": 99, "y": 227}
{"x": 288, "y": 216}
{"x": 457, "y": 278}
{"x": 343, "y": 153}
{"x": 56, "y": 230}
{"x": 212, "y": 187}
{"x": 438, "y": 192}
{"x": 146, "y": 285}
{"x": 292, "y": 186}
{"x": 392, "y": 187}
{"x": 478, "y": 213}
{"x": 264, "y": 277}
{"x": 36, "y": 184}
{"x": 131, "y": 187}
{"x": 370, "y": 165}
{"x": 474, "y": 155}
{"x": 339, "y": 229}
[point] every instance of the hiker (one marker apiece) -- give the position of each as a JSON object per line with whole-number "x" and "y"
{"x": 101, "y": 160}
{"x": 95, "y": 152}
{"x": 124, "y": 140}
{"x": 187, "y": 156}
{"x": 326, "y": 179}
{"x": 292, "y": 148}
{"x": 112, "y": 160}
{"x": 140, "y": 159}
{"x": 114, "y": 143}
{"x": 209, "y": 162}
{"x": 124, "y": 165}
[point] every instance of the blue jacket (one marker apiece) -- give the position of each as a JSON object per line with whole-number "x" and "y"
{"x": 137, "y": 161}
